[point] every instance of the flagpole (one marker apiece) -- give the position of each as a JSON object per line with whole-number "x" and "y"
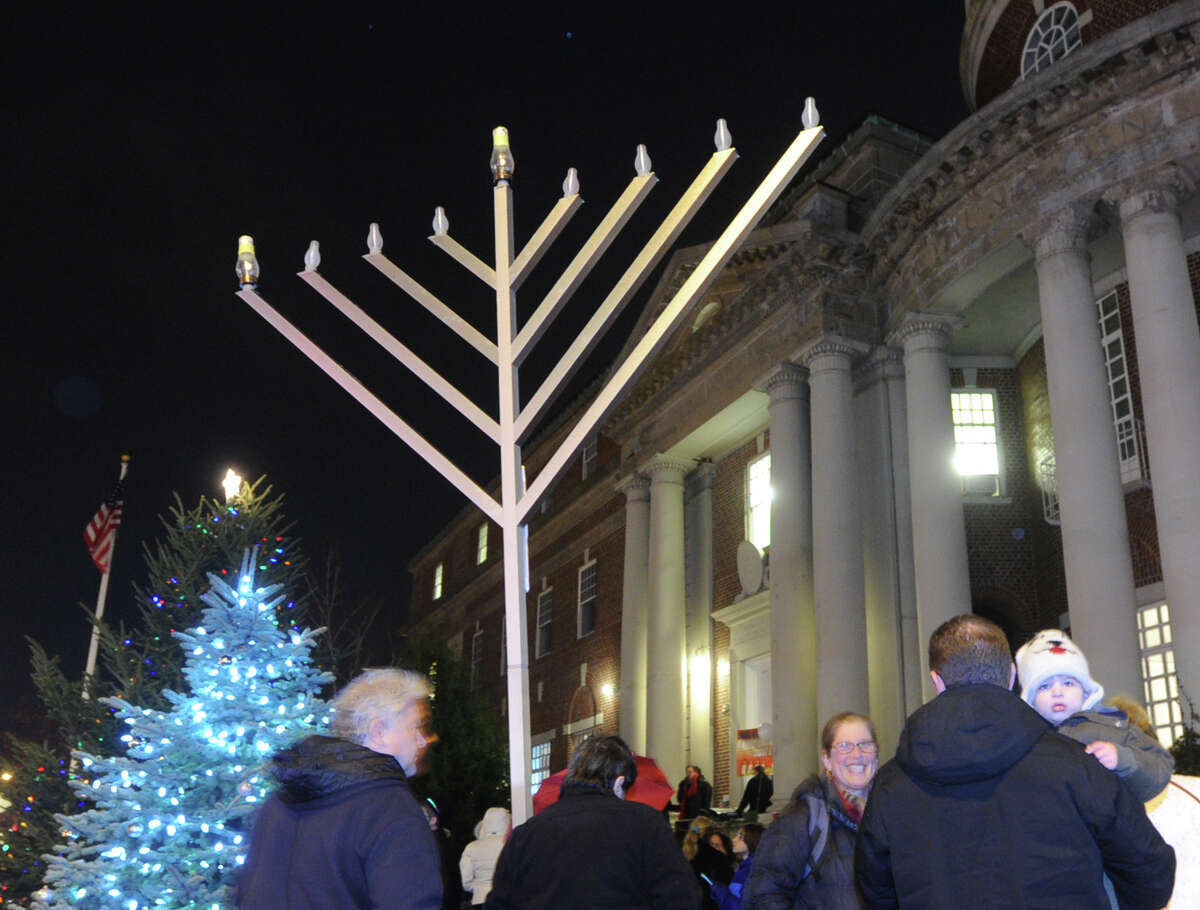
{"x": 101, "y": 597}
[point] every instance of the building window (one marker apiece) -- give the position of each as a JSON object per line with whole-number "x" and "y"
{"x": 476, "y": 657}
{"x": 539, "y": 755}
{"x": 545, "y": 608}
{"x": 1131, "y": 441}
{"x": 1053, "y": 36}
{"x": 437, "y": 581}
{"x": 587, "y": 599}
{"x": 976, "y": 452}
{"x": 1158, "y": 672}
{"x": 758, "y": 501}
{"x": 481, "y": 542}
{"x": 589, "y": 458}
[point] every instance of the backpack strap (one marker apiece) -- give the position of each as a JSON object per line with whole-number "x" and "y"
{"x": 818, "y": 832}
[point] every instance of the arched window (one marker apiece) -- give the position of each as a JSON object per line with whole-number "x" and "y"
{"x": 1053, "y": 36}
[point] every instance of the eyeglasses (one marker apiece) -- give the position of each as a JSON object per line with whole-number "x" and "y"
{"x": 866, "y": 747}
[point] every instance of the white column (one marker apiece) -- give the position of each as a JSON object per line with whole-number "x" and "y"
{"x": 698, "y": 580}
{"x": 792, "y": 619}
{"x": 939, "y": 534}
{"x": 634, "y": 612}
{"x": 665, "y": 674}
{"x": 895, "y": 663}
{"x": 1095, "y": 535}
{"x": 1168, "y": 349}
{"x": 842, "y": 683}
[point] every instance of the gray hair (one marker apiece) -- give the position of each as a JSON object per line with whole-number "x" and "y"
{"x": 383, "y": 692}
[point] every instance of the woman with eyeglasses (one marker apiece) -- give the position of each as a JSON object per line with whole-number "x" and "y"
{"x": 806, "y": 857}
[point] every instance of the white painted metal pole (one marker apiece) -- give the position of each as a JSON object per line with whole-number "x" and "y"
{"x": 512, "y": 486}
{"x": 89, "y": 669}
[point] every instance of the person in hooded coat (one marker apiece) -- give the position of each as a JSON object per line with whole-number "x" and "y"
{"x": 344, "y": 829}
{"x": 987, "y": 806}
{"x": 478, "y": 860}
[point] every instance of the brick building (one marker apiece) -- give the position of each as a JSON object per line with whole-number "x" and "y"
{"x": 939, "y": 377}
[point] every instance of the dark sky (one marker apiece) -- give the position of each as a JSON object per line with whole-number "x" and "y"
{"x": 144, "y": 147}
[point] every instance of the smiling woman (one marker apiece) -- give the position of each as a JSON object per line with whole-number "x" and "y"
{"x": 806, "y": 857}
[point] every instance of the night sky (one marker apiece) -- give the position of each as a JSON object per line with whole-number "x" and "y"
{"x": 144, "y": 148}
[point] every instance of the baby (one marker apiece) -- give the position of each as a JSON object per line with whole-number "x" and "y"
{"x": 1055, "y": 681}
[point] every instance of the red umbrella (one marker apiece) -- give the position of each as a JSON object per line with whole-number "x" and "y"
{"x": 651, "y": 787}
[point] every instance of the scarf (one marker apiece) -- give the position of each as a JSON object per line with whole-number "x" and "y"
{"x": 851, "y": 802}
{"x": 691, "y": 786}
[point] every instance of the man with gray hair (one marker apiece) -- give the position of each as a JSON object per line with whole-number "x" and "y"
{"x": 986, "y": 805}
{"x": 344, "y": 829}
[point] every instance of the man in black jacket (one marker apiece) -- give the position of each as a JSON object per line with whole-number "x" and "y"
{"x": 759, "y": 791}
{"x": 985, "y": 805}
{"x": 593, "y": 849}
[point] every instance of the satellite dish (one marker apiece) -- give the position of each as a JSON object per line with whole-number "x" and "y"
{"x": 749, "y": 567}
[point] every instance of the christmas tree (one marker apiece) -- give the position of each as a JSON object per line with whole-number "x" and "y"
{"x": 168, "y": 827}
{"x": 135, "y": 665}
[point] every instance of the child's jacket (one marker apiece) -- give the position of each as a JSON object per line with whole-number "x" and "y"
{"x": 1142, "y": 763}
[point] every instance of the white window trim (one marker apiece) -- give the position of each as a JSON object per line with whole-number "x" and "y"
{"x": 1173, "y": 730}
{"x": 549, "y": 623}
{"x": 1031, "y": 55}
{"x": 1130, "y": 434}
{"x": 1001, "y": 496}
{"x": 481, "y": 544}
{"x": 579, "y": 633}
{"x": 746, "y": 509}
{"x": 439, "y": 577}
{"x": 588, "y": 458}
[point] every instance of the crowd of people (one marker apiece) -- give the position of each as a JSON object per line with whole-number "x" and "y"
{"x": 992, "y": 800}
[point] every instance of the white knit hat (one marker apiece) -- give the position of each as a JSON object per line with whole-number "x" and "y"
{"x": 1052, "y": 653}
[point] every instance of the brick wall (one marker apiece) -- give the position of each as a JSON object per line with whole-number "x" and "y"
{"x": 729, "y": 518}
{"x": 720, "y": 701}
{"x": 1000, "y": 548}
{"x": 1000, "y": 64}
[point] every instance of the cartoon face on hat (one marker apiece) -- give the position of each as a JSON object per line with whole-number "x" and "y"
{"x": 1052, "y": 653}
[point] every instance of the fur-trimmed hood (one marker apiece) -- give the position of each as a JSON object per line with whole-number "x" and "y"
{"x": 321, "y": 766}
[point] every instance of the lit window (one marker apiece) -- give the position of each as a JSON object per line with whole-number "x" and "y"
{"x": 589, "y": 458}
{"x": 476, "y": 656}
{"x": 1053, "y": 36}
{"x": 437, "y": 582}
{"x": 1158, "y": 672}
{"x": 481, "y": 543}
{"x": 758, "y": 501}
{"x": 587, "y": 599}
{"x": 545, "y": 608}
{"x": 1131, "y": 441}
{"x": 539, "y": 762}
{"x": 976, "y": 454}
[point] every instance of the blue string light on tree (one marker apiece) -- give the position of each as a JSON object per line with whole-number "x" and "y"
{"x": 170, "y": 819}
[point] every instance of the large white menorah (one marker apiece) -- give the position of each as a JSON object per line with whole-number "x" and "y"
{"x": 512, "y": 344}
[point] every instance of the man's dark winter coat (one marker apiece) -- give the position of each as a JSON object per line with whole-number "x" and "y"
{"x": 593, "y": 850}
{"x": 344, "y": 831}
{"x": 759, "y": 791}
{"x": 986, "y": 806}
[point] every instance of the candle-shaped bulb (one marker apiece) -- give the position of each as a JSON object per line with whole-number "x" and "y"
{"x": 246, "y": 267}
{"x": 641, "y": 161}
{"x": 571, "y": 184}
{"x": 374, "y": 239}
{"x": 312, "y": 258}
{"x": 441, "y": 224}
{"x": 502, "y": 156}
{"x": 721, "y": 138}
{"x": 811, "y": 117}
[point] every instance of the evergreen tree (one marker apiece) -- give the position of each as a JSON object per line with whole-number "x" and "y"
{"x": 136, "y": 664}
{"x": 469, "y": 767}
{"x": 168, "y": 827}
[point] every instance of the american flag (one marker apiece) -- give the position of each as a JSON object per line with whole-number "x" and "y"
{"x": 101, "y": 531}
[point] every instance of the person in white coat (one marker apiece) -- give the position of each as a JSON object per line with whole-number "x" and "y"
{"x": 479, "y": 858}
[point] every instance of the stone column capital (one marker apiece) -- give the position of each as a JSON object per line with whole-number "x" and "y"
{"x": 786, "y": 380}
{"x": 1065, "y": 231}
{"x": 667, "y": 468}
{"x": 1159, "y": 191}
{"x": 829, "y": 352}
{"x": 883, "y": 362}
{"x": 924, "y": 331}
{"x": 635, "y": 486}
{"x": 701, "y": 479}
